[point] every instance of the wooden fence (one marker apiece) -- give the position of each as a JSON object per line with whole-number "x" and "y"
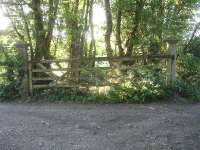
{"x": 73, "y": 77}
{"x": 50, "y": 73}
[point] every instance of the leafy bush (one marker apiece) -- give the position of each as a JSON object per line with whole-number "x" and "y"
{"x": 189, "y": 68}
{"x": 72, "y": 95}
{"x": 61, "y": 94}
{"x": 11, "y": 90}
{"x": 144, "y": 84}
{"x": 188, "y": 90}
{"x": 188, "y": 83}
{"x": 11, "y": 86}
{"x": 138, "y": 85}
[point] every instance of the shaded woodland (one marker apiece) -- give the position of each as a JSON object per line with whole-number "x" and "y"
{"x": 69, "y": 29}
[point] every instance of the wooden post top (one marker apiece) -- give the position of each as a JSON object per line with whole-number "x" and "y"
{"x": 22, "y": 47}
{"x": 21, "y": 44}
{"x": 171, "y": 40}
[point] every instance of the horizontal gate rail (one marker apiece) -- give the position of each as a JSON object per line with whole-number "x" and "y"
{"x": 55, "y": 81}
{"x": 132, "y": 58}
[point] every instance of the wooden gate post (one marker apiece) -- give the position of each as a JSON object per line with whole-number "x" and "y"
{"x": 22, "y": 48}
{"x": 172, "y": 63}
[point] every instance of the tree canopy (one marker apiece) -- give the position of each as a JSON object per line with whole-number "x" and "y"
{"x": 131, "y": 27}
{"x": 86, "y": 29}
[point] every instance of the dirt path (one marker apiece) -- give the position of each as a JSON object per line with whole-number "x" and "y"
{"x": 100, "y": 127}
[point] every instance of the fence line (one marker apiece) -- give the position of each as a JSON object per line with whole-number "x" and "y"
{"x": 53, "y": 79}
{"x": 96, "y": 59}
{"x": 34, "y": 67}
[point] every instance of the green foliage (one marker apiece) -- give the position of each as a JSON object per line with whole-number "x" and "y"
{"x": 11, "y": 90}
{"x": 189, "y": 71}
{"x": 60, "y": 94}
{"x": 11, "y": 86}
{"x": 63, "y": 29}
{"x": 194, "y": 47}
{"x": 143, "y": 85}
{"x": 144, "y": 19}
{"x": 139, "y": 85}
{"x": 188, "y": 90}
{"x": 70, "y": 95}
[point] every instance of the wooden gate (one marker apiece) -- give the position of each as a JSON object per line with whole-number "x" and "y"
{"x": 60, "y": 73}
{"x": 50, "y": 74}
{"x": 84, "y": 72}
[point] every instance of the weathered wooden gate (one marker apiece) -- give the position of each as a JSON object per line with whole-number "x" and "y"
{"x": 59, "y": 73}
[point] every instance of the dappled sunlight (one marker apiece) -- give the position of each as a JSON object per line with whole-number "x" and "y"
{"x": 100, "y": 90}
{"x": 4, "y": 21}
{"x": 130, "y": 51}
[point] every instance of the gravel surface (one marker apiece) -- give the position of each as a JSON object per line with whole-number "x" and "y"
{"x": 100, "y": 127}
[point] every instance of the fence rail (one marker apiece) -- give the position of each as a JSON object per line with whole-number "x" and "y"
{"x": 52, "y": 80}
{"x": 75, "y": 72}
{"x": 114, "y": 59}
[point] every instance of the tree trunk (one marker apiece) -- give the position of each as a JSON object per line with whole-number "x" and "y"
{"x": 43, "y": 38}
{"x": 108, "y": 29}
{"x": 83, "y": 44}
{"x": 92, "y": 52}
{"x": 40, "y": 47}
{"x": 26, "y": 24}
{"x": 75, "y": 44}
{"x": 134, "y": 32}
{"x": 53, "y": 8}
{"x": 118, "y": 31}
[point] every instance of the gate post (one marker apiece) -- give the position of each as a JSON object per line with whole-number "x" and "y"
{"x": 172, "y": 64}
{"x": 22, "y": 48}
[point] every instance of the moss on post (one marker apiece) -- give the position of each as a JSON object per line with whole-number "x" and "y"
{"x": 172, "y": 63}
{"x": 22, "y": 48}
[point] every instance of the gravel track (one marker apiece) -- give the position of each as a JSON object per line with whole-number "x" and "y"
{"x": 100, "y": 127}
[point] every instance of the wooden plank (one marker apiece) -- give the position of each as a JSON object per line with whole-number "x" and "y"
{"x": 6, "y": 75}
{"x": 138, "y": 57}
{"x": 122, "y": 67}
{"x": 71, "y": 86}
{"x": 172, "y": 62}
{"x": 42, "y": 79}
{"x": 98, "y": 85}
{"x": 3, "y": 76}
{"x": 50, "y": 73}
{"x": 71, "y": 79}
{"x": 30, "y": 76}
{"x": 50, "y": 70}
{"x": 7, "y": 66}
{"x": 54, "y": 61}
{"x": 69, "y": 69}
{"x": 53, "y": 86}
{"x": 3, "y": 64}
